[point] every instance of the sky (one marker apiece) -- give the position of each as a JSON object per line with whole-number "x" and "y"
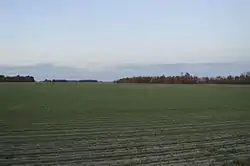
{"x": 94, "y": 34}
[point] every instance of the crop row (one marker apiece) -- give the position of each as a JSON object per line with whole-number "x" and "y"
{"x": 129, "y": 134}
{"x": 121, "y": 144}
{"x": 128, "y": 145}
{"x": 105, "y": 122}
{"x": 128, "y": 127}
{"x": 98, "y": 150}
{"x": 180, "y": 147}
{"x": 179, "y": 154}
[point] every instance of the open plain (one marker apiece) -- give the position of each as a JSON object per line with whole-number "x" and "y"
{"x": 123, "y": 124}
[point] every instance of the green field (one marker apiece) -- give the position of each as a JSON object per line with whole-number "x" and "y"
{"x": 123, "y": 124}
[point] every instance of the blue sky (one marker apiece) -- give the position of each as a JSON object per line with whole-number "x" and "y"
{"x": 99, "y": 33}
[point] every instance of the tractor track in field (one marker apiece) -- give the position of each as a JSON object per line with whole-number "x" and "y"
{"x": 130, "y": 146}
{"x": 160, "y": 155}
{"x": 107, "y": 121}
{"x": 75, "y": 127}
{"x": 127, "y": 134}
{"x": 124, "y": 128}
{"x": 154, "y": 160}
{"x": 109, "y": 153}
{"x": 126, "y": 143}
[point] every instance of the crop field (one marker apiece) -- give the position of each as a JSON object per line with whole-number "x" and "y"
{"x": 123, "y": 124}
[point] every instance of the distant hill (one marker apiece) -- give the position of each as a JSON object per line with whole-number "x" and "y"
{"x": 43, "y": 71}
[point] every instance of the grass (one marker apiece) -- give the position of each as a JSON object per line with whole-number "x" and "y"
{"x": 213, "y": 119}
{"x": 61, "y": 102}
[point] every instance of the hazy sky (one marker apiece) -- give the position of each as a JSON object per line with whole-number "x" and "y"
{"x": 96, "y": 33}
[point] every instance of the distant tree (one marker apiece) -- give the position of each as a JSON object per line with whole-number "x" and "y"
{"x": 16, "y": 78}
{"x": 188, "y": 79}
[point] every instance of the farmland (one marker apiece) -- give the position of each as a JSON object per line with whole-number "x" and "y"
{"x": 123, "y": 124}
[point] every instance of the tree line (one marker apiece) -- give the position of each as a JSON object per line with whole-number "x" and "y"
{"x": 181, "y": 79}
{"x": 16, "y": 78}
{"x": 64, "y": 80}
{"x": 188, "y": 79}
